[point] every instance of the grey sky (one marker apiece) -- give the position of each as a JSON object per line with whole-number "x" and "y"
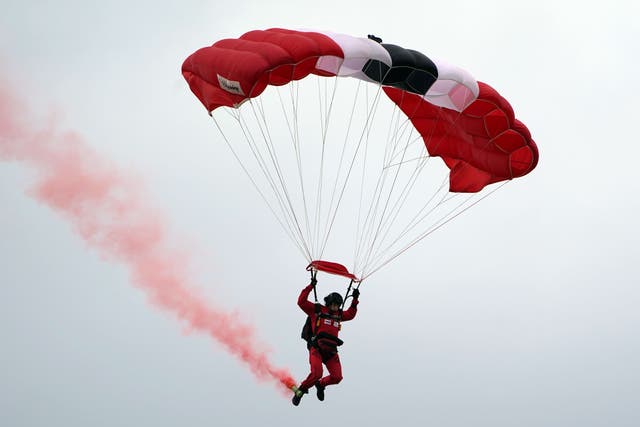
{"x": 522, "y": 312}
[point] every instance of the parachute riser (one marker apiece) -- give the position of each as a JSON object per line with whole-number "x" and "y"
{"x": 313, "y": 282}
{"x": 346, "y": 295}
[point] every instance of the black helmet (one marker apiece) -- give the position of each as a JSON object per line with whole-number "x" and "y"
{"x": 333, "y": 298}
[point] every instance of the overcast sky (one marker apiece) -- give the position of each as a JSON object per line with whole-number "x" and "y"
{"x": 524, "y": 311}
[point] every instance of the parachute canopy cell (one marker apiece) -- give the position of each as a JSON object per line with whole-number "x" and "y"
{"x": 465, "y": 122}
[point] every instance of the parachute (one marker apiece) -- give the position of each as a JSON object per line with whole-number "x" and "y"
{"x": 365, "y": 161}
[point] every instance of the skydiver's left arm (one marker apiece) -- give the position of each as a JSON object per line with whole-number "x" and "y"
{"x": 351, "y": 312}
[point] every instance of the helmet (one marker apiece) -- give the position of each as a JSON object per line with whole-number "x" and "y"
{"x": 333, "y": 298}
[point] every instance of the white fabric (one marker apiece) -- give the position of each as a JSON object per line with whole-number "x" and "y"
{"x": 455, "y": 88}
{"x": 357, "y": 51}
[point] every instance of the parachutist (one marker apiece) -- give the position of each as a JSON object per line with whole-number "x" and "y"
{"x": 321, "y": 333}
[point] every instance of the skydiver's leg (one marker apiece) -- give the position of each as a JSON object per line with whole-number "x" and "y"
{"x": 315, "y": 360}
{"x": 335, "y": 371}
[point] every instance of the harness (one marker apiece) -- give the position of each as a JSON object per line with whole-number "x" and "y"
{"x": 326, "y": 343}
{"x": 323, "y": 341}
{"x": 310, "y": 329}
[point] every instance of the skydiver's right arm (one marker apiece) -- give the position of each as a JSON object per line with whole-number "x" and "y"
{"x": 303, "y": 300}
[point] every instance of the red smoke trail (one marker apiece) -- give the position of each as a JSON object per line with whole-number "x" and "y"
{"x": 111, "y": 213}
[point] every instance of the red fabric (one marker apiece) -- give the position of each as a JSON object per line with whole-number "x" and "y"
{"x": 333, "y": 366}
{"x": 483, "y": 144}
{"x": 331, "y": 268}
{"x": 253, "y": 61}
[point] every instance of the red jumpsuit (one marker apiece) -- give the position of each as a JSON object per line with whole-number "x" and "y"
{"x": 316, "y": 356}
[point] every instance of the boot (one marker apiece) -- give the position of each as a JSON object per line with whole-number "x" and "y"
{"x": 320, "y": 391}
{"x": 297, "y": 395}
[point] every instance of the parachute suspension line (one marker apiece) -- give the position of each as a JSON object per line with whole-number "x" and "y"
{"x": 413, "y": 159}
{"x": 271, "y": 150}
{"x": 392, "y": 131}
{"x": 340, "y": 163}
{"x": 372, "y": 212}
{"x": 259, "y": 158}
{"x": 367, "y": 227}
{"x": 388, "y": 217}
{"x": 294, "y": 132}
{"x": 365, "y": 133}
{"x": 389, "y": 194}
{"x": 280, "y": 192}
{"x": 286, "y": 229}
{"x": 417, "y": 139}
{"x": 418, "y": 219}
{"x": 361, "y": 225}
{"x": 314, "y": 235}
{"x": 376, "y": 253}
{"x": 400, "y": 202}
{"x": 257, "y": 155}
{"x": 360, "y": 201}
{"x": 434, "y": 228}
{"x": 268, "y": 141}
{"x": 261, "y": 163}
{"x": 391, "y": 218}
{"x": 294, "y": 92}
{"x": 372, "y": 108}
{"x": 324, "y": 122}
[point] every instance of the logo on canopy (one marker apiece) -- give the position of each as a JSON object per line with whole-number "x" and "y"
{"x": 230, "y": 85}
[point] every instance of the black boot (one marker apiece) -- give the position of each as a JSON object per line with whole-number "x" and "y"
{"x": 320, "y": 391}
{"x": 297, "y": 395}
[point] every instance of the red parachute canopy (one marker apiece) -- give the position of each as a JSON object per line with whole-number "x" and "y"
{"x": 400, "y": 198}
{"x": 481, "y": 144}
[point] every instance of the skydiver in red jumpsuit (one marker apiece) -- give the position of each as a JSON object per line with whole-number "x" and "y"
{"x": 323, "y": 346}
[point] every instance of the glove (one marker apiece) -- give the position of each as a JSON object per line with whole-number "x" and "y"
{"x": 313, "y": 281}
{"x": 356, "y": 294}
